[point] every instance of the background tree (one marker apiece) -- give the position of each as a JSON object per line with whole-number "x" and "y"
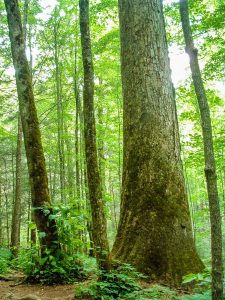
{"x": 94, "y": 182}
{"x": 31, "y": 132}
{"x": 210, "y": 165}
{"x": 16, "y": 216}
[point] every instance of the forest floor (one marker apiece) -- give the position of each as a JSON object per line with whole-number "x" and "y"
{"x": 11, "y": 290}
{"x": 12, "y": 287}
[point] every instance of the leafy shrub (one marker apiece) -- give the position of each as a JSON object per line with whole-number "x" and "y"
{"x": 49, "y": 269}
{"x": 201, "y": 284}
{"x": 198, "y": 280}
{"x": 156, "y": 292}
{"x": 204, "y": 296}
{"x": 70, "y": 222}
{"x": 114, "y": 285}
{"x": 5, "y": 257}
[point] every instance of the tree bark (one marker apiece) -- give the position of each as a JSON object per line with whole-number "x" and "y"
{"x": 6, "y": 189}
{"x": 94, "y": 183}
{"x": 101, "y": 156}
{"x": 31, "y": 132}
{"x": 77, "y": 123}
{"x": 59, "y": 114}
{"x": 154, "y": 232}
{"x": 16, "y": 222}
{"x": 210, "y": 166}
{"x": 16, "y": 217}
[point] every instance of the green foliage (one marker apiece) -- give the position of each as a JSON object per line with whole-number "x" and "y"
{"x": 70, "y": 222}
{"x": 201, "y": 284}
{"x": 114, "y": 285}
{"x": 156, "y": 292}
{"x": 49, "y": 269}
{"x": 204, "y": 296}
{"x": 5, "y": 257}
{"x": 200, "y": 279}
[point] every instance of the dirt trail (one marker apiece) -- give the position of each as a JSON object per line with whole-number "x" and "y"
{"x": 58, "y": 292}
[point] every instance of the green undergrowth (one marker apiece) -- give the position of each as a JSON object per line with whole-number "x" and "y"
{"x": 125, "y": 283}
{"x": 201, "y": 286}
{"x": 48, "y": 270}
{"x": 5, "y": 258}
{"x": 51, "y": 269}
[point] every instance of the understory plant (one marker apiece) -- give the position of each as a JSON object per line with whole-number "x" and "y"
{"x": 116, "y": 284}
{"x": 201, "y": 284}
{"x": 5, "y": 257}
{"x": 49, "y": 269}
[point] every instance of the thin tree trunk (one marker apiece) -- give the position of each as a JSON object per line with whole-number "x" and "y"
{"x": 32, "y": 136}
{"x": 5, "y": 189}
{"x": 54, "y": 184}
{"x": 191, "y": 204}
{"x": 69, "y": 166}
{"x": 94, "y": 182}
{"x": 15, "y": 230}
{"x": 50, "y": 172}
{"x": 1, "y": 216}
{"x": 78, "y": 139}
{"x": 16, "y": 217}
{"x": 13, "y": 177}
{"x": 222, "y": 183}
{"x": 77, "y": 123}
{"x": 210, "y": 166}
{"x": 28, "y": 220}
{"x": 30, "y": 49}
{"x": 59, "y": 114}
{"x": 101, "y": 156}
{"x": 31, "y": 232}
{"x": 25, "y": 17}
{"x": 119, "y": 136}
{"x": 113, "y": 204}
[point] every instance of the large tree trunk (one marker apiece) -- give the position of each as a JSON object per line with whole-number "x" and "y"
{"x": 154, "y": 232}
{"x": 210, "y": 166}
{"x": 31, "y": 131}
{"x": 94, "y": 182}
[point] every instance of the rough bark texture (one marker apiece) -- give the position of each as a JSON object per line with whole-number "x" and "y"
{"x": 154, "y": 232}
{"x": 31, "y": 131}
{"x": 210, "y": 166}
{"x": 94, "y": 182}
{"x": 15, "y": 228}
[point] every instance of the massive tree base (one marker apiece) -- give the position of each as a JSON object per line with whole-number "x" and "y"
{"x": 154, "y": 232}
{"x": 163, "y": 257}
{"x": 155, "y": 235}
